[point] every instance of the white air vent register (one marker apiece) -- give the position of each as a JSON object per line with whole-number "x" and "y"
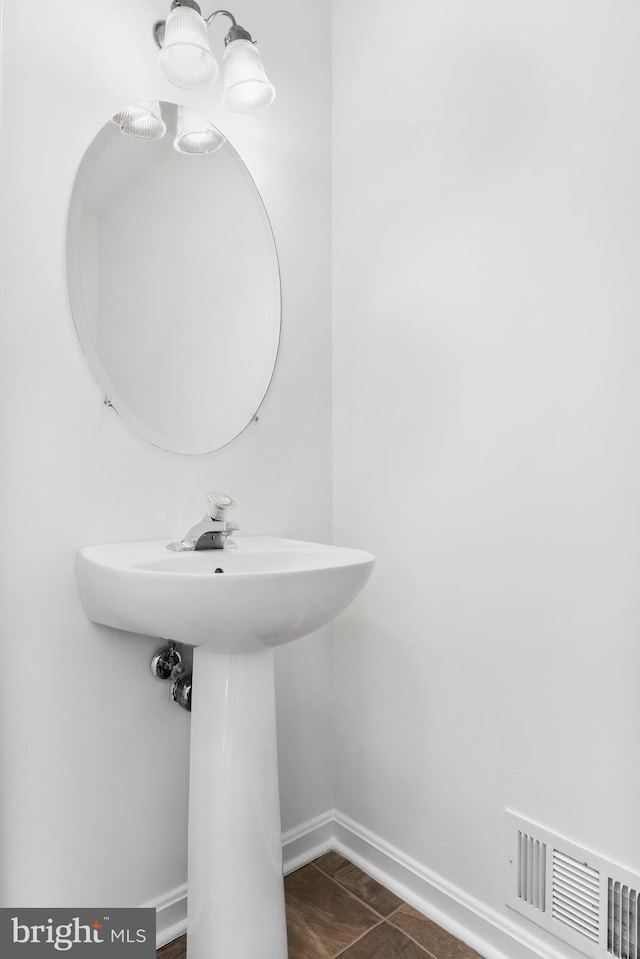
{"x": 579, "y": 897}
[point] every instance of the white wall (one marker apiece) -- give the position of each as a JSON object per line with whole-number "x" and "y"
{"x": 486, "y": 205}
{"x": 94, "y": 759}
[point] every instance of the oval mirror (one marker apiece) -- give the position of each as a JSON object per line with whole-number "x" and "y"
{"x": 174, "y": 283}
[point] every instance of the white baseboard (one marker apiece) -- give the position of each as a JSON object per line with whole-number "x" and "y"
{"x": 493, "y": 934}
{"x": 171, "y": 915}
{"x": 308, "y": 841}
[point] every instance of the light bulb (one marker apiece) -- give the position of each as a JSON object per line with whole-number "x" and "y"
{"x": 142, "y": 120}
{"x": 196, "y": 135}
{"x": 246, "y": 87}
{"x": 186, "y": 58}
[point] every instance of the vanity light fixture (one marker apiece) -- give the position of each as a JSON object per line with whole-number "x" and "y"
{"x": 187, "y": 61}
{"x": 194, "y": 134}
{"x": 142, "y": 120}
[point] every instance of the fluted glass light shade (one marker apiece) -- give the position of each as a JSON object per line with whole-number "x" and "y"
{"x": 195, "y": 135}
{"x": 142, "y": 120}
{"x": 246, "y": 87}
{"x": 186, "y": 58}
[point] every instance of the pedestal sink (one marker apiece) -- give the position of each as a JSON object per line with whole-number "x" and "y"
{"x": 234, "y": 606}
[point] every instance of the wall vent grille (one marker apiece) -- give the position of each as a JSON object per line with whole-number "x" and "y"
{"x": 581, "y": 898}
{"x": 532, "y": 870}
{"x": 576, "y": 895}
{"x": 623, "y": 907}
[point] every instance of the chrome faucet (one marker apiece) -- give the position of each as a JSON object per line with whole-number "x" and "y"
{"x": 212, "y": 530}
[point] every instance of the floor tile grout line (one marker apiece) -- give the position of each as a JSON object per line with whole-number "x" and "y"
{"x": 349, "y": 893}
{"x": 414, "y": 941}
{"x": 355, "y": 895}
{"x": 361, "y": 936}
{"x": 337, "y": 882}
{"x": 428, "y": 952}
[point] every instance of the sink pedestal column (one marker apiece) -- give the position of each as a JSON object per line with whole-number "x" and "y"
{"x": 235, "y": 888}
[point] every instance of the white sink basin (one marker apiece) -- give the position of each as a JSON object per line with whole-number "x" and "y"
{"x": 270, "y": 591}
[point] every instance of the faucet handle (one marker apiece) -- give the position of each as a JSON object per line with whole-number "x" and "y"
{"x": 212, "y": 530}
{"x": 219, "y": 505}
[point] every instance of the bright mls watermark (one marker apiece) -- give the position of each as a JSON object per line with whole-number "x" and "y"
{"x": 78, "y": 933}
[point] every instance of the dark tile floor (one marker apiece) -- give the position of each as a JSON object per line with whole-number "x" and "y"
{"x": 334, "y": 909}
